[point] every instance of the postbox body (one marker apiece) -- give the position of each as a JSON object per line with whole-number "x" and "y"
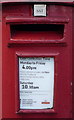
{"x": 36, "y": 46}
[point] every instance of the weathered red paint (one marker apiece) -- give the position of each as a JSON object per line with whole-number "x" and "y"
{"x": 17, "y": 45}
{"x": 72, "y": 61}
{"x": 0, "y": 61}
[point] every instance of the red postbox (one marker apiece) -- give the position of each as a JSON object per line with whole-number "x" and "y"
{"x": 36, "y": 59}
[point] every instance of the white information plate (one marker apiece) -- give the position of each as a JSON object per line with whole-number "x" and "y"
{"x": 36, "y": 82}
{"x": 39, "y": 10}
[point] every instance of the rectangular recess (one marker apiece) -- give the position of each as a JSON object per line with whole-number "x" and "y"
{"x": 36, "y": 32}
{"x": 50, "y": 110}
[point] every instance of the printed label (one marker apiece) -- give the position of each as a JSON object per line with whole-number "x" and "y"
{"x": 36, "y": 82}
{"x": 39, "y": 10}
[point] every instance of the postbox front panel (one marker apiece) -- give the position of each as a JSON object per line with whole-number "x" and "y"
{"x": 37, "y": 42}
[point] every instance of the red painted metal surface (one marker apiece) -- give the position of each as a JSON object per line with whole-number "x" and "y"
{"x": 59, "y": 46}
{"x": 72, "y": 62}
{"x": 0, "y": 61}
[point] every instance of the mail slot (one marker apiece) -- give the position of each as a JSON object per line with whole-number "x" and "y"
{"x": 36, "y": 59}
{"x": 36, "y": 32}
